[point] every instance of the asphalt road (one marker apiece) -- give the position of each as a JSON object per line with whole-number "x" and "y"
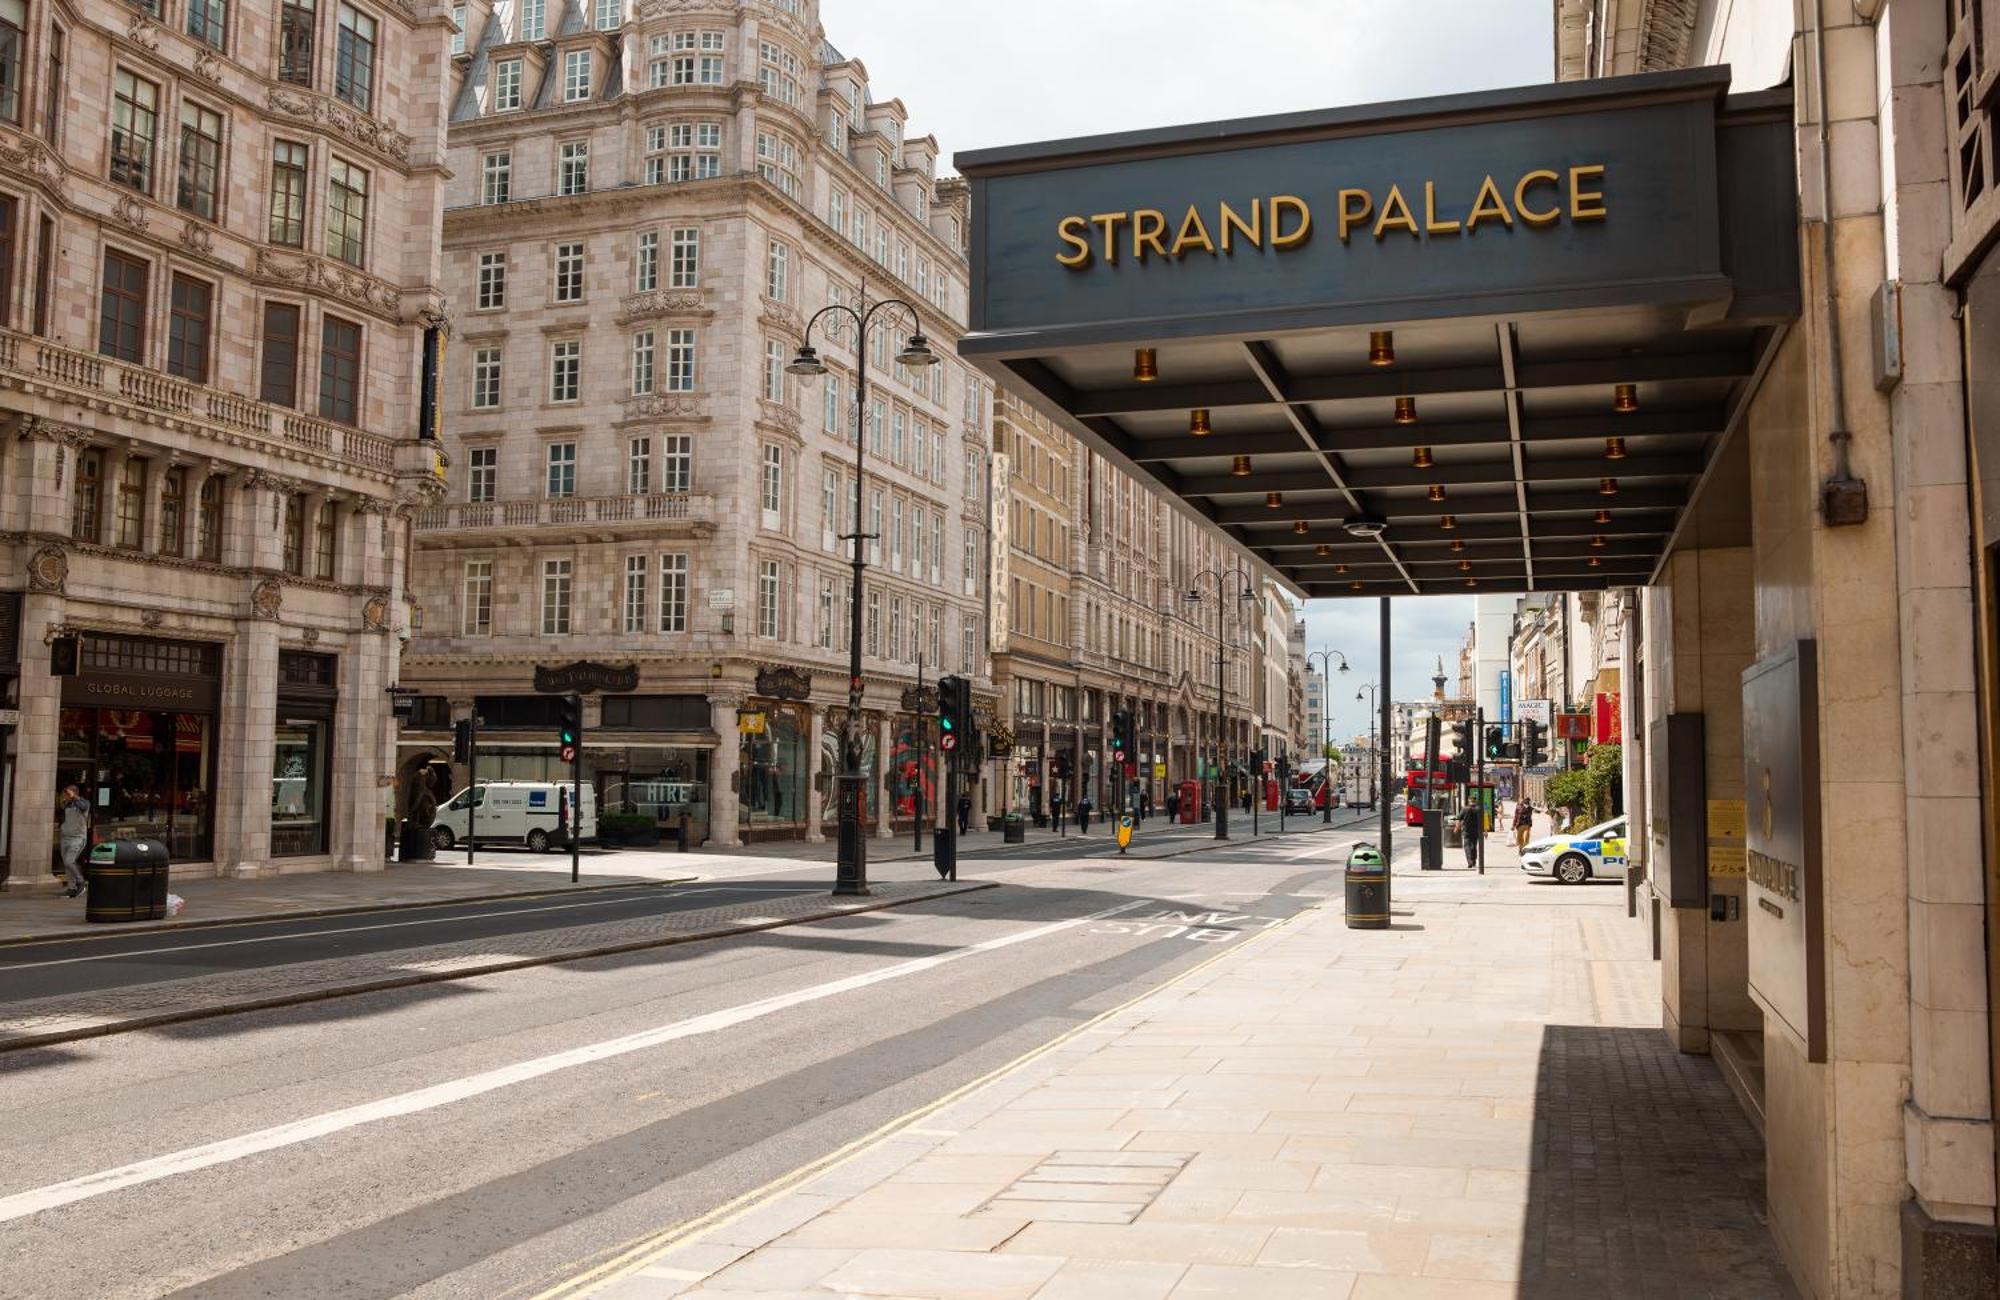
{"x": 491, "y": 1136}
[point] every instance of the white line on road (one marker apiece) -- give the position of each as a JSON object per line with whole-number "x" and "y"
{"x": 670, "y": 892}
{"x": 22, "y": 1204}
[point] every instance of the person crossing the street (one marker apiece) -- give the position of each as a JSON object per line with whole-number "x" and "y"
{"x": 1524, "y": 822}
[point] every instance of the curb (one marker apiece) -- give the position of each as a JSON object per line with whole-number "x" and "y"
{"x": 632, "y": 1256}
{"x": 300, "y": 914}
{"x": 490, "y": 968}
{"x": 1203, "y": 843}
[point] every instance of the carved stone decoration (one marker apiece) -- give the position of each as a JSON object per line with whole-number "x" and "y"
{"x": 375, "y": 613}
{"x": 358, "y": 127}
{"x": 198, "y": 239}
{"x": 661, "y": 302}
{"x": 143, "y": 32}
{"x": 206, "y": 65}
{"x": 49, "y": 570}
{"x": 152, "y": 619}
{"x": 28, "y": 156}
{"x": 682, "y": 405}
{"x": 310, "y": 636}
{"x": 130, "y": 211}
{"x": 309, "y": 272}
{"x": 267, "y": 598}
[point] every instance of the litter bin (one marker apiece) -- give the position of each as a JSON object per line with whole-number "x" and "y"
{"x": 1013, "y": 830}
{"x": 128, "y": 881}
{"x": 1367, "y": 889}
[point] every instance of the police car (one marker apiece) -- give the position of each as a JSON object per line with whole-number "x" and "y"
{"x": 1573, "y": 859}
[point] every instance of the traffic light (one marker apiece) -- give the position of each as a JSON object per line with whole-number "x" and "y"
{"x": 569, "y": 726}
{"x": 461, "y": 741}
{"x": 1496, "y": 743}
{"x": 1534, "y": 740}
{"x": 1461, "y": 738}
{"x": 65, "y": 656}
{"x": 1121, "y": 739}
{"x": 954, "y": 711}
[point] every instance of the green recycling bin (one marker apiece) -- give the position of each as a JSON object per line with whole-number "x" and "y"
{"x": 1367, "y": 889}
{"x": 128, "y": 881}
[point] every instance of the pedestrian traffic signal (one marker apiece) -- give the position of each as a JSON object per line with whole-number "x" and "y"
{"x": 1534, "y": 744}
{"x": 461, "y": 741}
{"x": 1496, "y": 743}
{"x": 954, "y": 711}
{"x": 1461, "y": 737}
{"x": 569, "y": 726}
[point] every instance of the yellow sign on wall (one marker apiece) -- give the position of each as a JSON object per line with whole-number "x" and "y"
{"x": 750, "y": 722}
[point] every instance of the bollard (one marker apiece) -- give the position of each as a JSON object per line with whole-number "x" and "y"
{"x": 683, "y": 832}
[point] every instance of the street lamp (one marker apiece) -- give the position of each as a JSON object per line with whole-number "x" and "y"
{"x": 1221, "y": 752}
{"x": 851, "y": 874}
{"x": 1369, "y": 691}
{"x": 1326, "y": 658}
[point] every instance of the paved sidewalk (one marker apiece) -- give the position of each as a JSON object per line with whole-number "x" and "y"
{"x": 1475, "y": 1103}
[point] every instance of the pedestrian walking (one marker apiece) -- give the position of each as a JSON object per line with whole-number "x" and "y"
{"x": 1524, "y": 822}
{"x": 74, "y": 810}
{"x": 1083, "y": 815}
{"x": 1472, "y": 831}
{"x": 964, "y": 812}
{"x": 1056, "y": 803}
{"x": 1145, "y": 805}
{"x": 1173, "y": 805}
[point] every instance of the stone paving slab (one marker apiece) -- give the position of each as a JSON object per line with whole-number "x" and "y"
{"x": 38, "y": 1021}
{"x": 1479, "y": 1103}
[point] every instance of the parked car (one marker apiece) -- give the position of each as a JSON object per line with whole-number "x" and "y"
{"x": 514, "y": 812}
{"x": 1583, "y": 855}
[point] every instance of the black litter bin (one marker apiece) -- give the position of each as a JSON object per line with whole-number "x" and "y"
{"x": 1013, "y": 831}
{"x": 1367, "y": 889}
{"x": 128, "y": 881}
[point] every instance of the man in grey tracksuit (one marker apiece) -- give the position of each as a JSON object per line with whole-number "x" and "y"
{"x": 75, "y": 810}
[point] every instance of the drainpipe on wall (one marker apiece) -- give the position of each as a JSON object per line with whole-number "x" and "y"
{"x": 1843, "y": 498}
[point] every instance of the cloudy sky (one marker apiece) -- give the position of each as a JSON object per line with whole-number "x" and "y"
{"x": 1022, "y": 70}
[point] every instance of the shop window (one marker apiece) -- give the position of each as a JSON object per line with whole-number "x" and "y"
{"x": 502, "y": 712}
{"x": 656, "y": 712}
{"x": 302, "y": 751}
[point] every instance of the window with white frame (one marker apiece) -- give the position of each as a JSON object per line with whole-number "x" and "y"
{"x": 642, "y": 363}
{"x": 858, "y": 228}
{"x": 610, "y": 14}
{"x": 830, "y": 406}
{"x": 829, "y": 507}
{"x": 836, "y": 210}
{"x": 778, "y": 161}
{"x": 895, "y": 648}
{"x": 635, "y": 593}
{"x": 639, "y": 466}
{"x": 918, "y": 538}
{"x": 778, "y": 73}
{"x": 937, "y": 455}
{"x": 823, "y": 615}
{"x": 772, "y": 496}
{"x": 774, "y": 370}
{"x": 506, "y": 85}
{"x": 482, "y": 477}
{"x": 777, "y": 271}
{"x": 492, "y": 294}
{"x": 646, "y": 262}
{"x": 875, "y": 526}
{"x": 676, "y": 462}
{"x": 458, "y": 29}
{"x": 569, "y": 273}
{"x": 684, "y": 265}
{"x": 937, "y": 635}
{"x": 573, "y": 168}
{"x": 874, "y": 628}
{"x": 566, "y": 373}
{"x": 902, "y": 261}
{"x": 680, "y": 361}
{"x": 533, "y": 25}
{"x": 485, "y": 378}
{"x": 896, "y": 534}
{"x": 555, "y": 597}
{"x": 346, "y": 212}
{"x": 696, "y": 150}
{"x": 877, "y": 417}
{"x": 496, "y": 177}
{"x": 937, "y": 545}
{"x": 768, "y": 587}
{"x": 561, "y": 480}
{"x": 968, "y": 649}
{"x": 923, "y": 283}
{"x": 971, "y": 549}
{"x": 882, "y": 243}
{"x": 897, "y": 438}
{"x": 576, "y": 76}
{"x": 836, "y": 132}
{"x": 673, "y": 593}
{"x": 476, "y": 607}
{"x": 656, "y": 154}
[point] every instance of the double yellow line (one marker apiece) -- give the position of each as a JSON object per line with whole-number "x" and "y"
{"x": 635, "y": 1254}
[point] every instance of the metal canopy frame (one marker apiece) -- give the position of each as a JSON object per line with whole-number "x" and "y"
{"x": 1513, "y": 396}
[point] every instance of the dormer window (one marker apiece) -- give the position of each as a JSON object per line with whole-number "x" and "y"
{"x": 458, "y": 32}
{"x": 533, "y": 24}
{"x": 576, "y": 76}
{"x": 610, "y": 15}
{"x": 506, "y": 85}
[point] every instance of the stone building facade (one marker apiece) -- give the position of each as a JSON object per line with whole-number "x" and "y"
{"x": 1846, "y": 554}
{"x": 218, "y": 283}
{"x": 646, "y": 210}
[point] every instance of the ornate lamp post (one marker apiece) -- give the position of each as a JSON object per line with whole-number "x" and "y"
{"x": 1369, "y": 691}
{"x": 1326, "y": 658}
{"x": 1221, "y": 744}
{"x": 851, "y": 875}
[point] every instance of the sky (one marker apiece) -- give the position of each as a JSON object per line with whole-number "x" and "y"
{"x": 1016, "y": 71}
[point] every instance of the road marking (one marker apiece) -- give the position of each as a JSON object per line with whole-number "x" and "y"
{"x": 23, "y": 1204}
{"x": 351, "y": 929}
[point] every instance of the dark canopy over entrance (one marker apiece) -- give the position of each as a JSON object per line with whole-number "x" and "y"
{"x": 1497, "y": 339}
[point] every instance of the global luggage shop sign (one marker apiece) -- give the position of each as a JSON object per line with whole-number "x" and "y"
{"x": 1544, "y": 198}
{"x": 585, "y": 676}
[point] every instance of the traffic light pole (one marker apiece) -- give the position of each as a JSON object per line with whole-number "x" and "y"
{"x": 472, "y": 784}
{"x": 1478, "y": 784}
{"x": 576, "y": 794}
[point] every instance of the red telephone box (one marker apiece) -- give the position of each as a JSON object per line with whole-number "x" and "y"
{"x": 1190, "y": 796}
{"x": 1272, "y": 795}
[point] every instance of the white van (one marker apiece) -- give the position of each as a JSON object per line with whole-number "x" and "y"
{"x": 517, "y": 812}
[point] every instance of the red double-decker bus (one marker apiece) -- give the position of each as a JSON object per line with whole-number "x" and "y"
{"x": 1415, "y": 782}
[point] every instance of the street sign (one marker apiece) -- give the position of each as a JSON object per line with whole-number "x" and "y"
{"x": 1124, "y": 831}
{"x": 722, "y": 598}
{"x": 751, "y": 722}
{"x": 10, "y": 717}
{"x": 403, "y": 707}
{"x": 1159, "y": 771}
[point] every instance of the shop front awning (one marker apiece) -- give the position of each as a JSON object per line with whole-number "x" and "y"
{"x": 1496, "y": 340}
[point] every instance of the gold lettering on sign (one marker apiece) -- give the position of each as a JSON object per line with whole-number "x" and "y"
{"x": 1774, "y": 876}
{"x": 1284, "y": 221}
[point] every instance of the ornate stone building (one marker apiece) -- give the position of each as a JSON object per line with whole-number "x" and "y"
{"x": 218, "y": 282}
{"x": 647, "y": 207}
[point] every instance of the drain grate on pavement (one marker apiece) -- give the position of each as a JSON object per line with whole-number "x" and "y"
{"x": 1088, "y": 1187}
